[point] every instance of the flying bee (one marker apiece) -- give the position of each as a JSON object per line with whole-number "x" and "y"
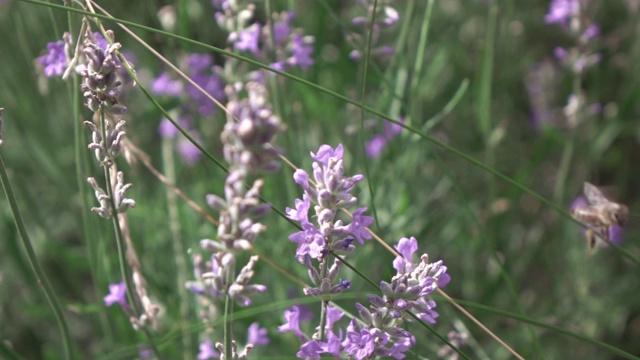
{"x": 600, "y": 214}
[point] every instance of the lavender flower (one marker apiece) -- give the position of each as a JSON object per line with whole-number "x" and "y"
{"x": 185, "y": 148}
{"x": 330, "y": 193}
{"x": 117, "y": 294}
{"x": 56, "y": 61}
{"x": 374, "y": 146}
{"x": 207, "y": 351}
{"x": 562, "y": 11}
{"x": 292, "y": 316}
{"x": 290, "y": 46}
{"x": 257, "y": 335}
{"x": 313, "y": 348}
{"x": 189, "y": 152}
{"x": 386, "y": 16}
{"x": 247, "y": 138}
{"x": 121, "y": 203}
{"x": 168, "y": 130}
{"x": 106, "y": 150}
{"x": 249, "y": 39}
{"x": 202, "y": 72}
{"x": 571, "y": 14}
{"x": 380, "y": 334}
{"x": 100, "y": 84}
{"x": 247, "y": 142}
{"x": 164, "y": 85}
{"x": 378, "y": 331}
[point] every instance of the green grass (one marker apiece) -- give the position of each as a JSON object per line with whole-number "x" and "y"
{"x": 470, "y": 178}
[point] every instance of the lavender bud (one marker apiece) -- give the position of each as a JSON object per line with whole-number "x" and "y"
{"x": 105, "y": 207}
{"x": 121, "y": 202}
{"x": 332, "y": 274}
{"x": 211, "y": 245}
{"x": 216, "y": 202}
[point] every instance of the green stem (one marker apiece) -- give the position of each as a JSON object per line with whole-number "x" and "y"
{"x": 35, "y": 265}
{"x": 228, "y": 326}
{"x": 323, "y": 306}
{"x": 178, "y": 248}
{"x": 122, "y": 255}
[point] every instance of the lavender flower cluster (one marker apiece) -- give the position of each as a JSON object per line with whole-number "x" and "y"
{"x": 379, "y": 330}
{"x": 573, "y": 18}
{"x": 384, "y": 17}
{"x": 290, "y": 47}
{"x": 247, "y": 139}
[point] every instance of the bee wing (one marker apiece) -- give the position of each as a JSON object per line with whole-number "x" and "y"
{"x": 594, "y": 195}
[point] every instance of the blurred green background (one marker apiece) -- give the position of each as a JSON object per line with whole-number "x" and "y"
{"x": 504, "y": 249}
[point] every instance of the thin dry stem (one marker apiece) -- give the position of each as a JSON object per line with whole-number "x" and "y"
{"x": 151, "y": 310}
{"x": 144, "y": 158}
{"x": 477, "y": 322}
{"x": 164, "y": 60}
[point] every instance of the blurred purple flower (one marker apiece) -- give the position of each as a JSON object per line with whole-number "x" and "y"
{"x": 292, "y": 316}
{"x": 591, "y": 32}
{"x": 282, "y": 29}
{"x": 561, "y": 11}
{"x": 257, "y": 335}
{"x": 55, "y": 61}
{"x": 301, "y": 50}
{"x": 374, "y": 146}
{"x": 197, "y": 62}
{"x": 203, "y": 74}
{"x": 117, "y": 294}
{"x": 207, "y": 351}
{"x": 166, "y": 128}
{"x": 164, "y": 85}
{"x": 189, "y": 152}
{"x": 248, "y": 39}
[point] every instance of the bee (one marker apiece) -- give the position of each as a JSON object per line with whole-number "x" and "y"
{"x": 600, "y": 214}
